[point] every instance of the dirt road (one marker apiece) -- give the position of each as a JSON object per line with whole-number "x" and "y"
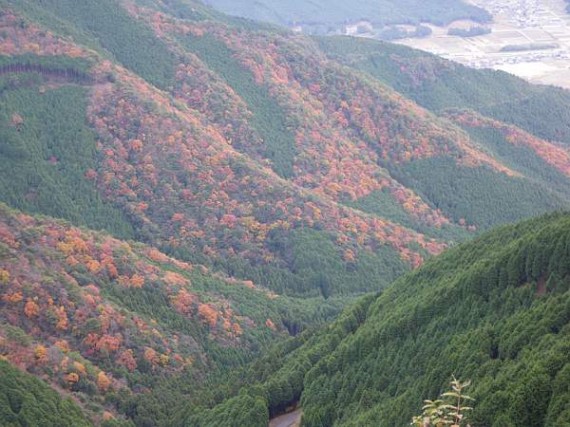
{"x": 292, "y": 419}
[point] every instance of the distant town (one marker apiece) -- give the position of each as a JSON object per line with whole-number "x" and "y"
{"x": 528, "y": 38}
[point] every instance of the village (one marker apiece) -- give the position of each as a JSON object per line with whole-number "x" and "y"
{"x": 528, "y": 38}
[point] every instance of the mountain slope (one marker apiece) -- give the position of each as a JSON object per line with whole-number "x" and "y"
{"x": 25, "y": 400}
{"x": 256, "y": 146}
{"x": 496, "y": 311}
{"x": 503, "y": 322}
{"x": 438, "y": 84}
{"x": 254, "y": 221}
{"x": 108, "y": 321}
{"x": 268, "y": 183}
{"x": 534, "y": 118}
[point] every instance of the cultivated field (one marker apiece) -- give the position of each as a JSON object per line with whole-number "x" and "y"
{"x": 540, "y": 27}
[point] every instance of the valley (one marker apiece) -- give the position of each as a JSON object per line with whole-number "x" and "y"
{"x": 207, "y": 222}
{"x": 541, "y": 30}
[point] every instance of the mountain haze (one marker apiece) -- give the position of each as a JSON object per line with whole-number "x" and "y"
{"x": 324, "y": 17}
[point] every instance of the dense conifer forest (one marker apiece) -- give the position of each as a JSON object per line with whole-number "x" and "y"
{"x": 496, "y": 311}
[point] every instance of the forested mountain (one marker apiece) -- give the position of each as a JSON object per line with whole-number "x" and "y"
{"x": 183, "y": 189}
{"x": 109, "y": 320}
{"x": 495, "y": 311}
{"x": 241, "y": 148}
{"x": 438, "y": 85}
{"x": 321, "y": 16}
{"x": 525, "y": 126}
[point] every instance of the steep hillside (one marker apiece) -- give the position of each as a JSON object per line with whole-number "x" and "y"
{"x": 237, "y": 186}
{"x": 496, "y": 311}
{"x": 438, "y": 84}
{"x": 25, "y": 400}
{"x": 535, "y": 118}
{"x": 252, "y": 216}
{"x": 107, "y": 320}
{"x": 237, "y": 147}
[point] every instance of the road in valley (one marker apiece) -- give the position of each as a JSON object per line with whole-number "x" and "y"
{"x": 291, "y": 419}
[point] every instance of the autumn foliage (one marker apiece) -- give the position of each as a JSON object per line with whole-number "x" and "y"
{"x": 55, "y": 289}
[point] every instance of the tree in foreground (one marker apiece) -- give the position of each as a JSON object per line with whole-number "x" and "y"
{"x": 449, "y": 410}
